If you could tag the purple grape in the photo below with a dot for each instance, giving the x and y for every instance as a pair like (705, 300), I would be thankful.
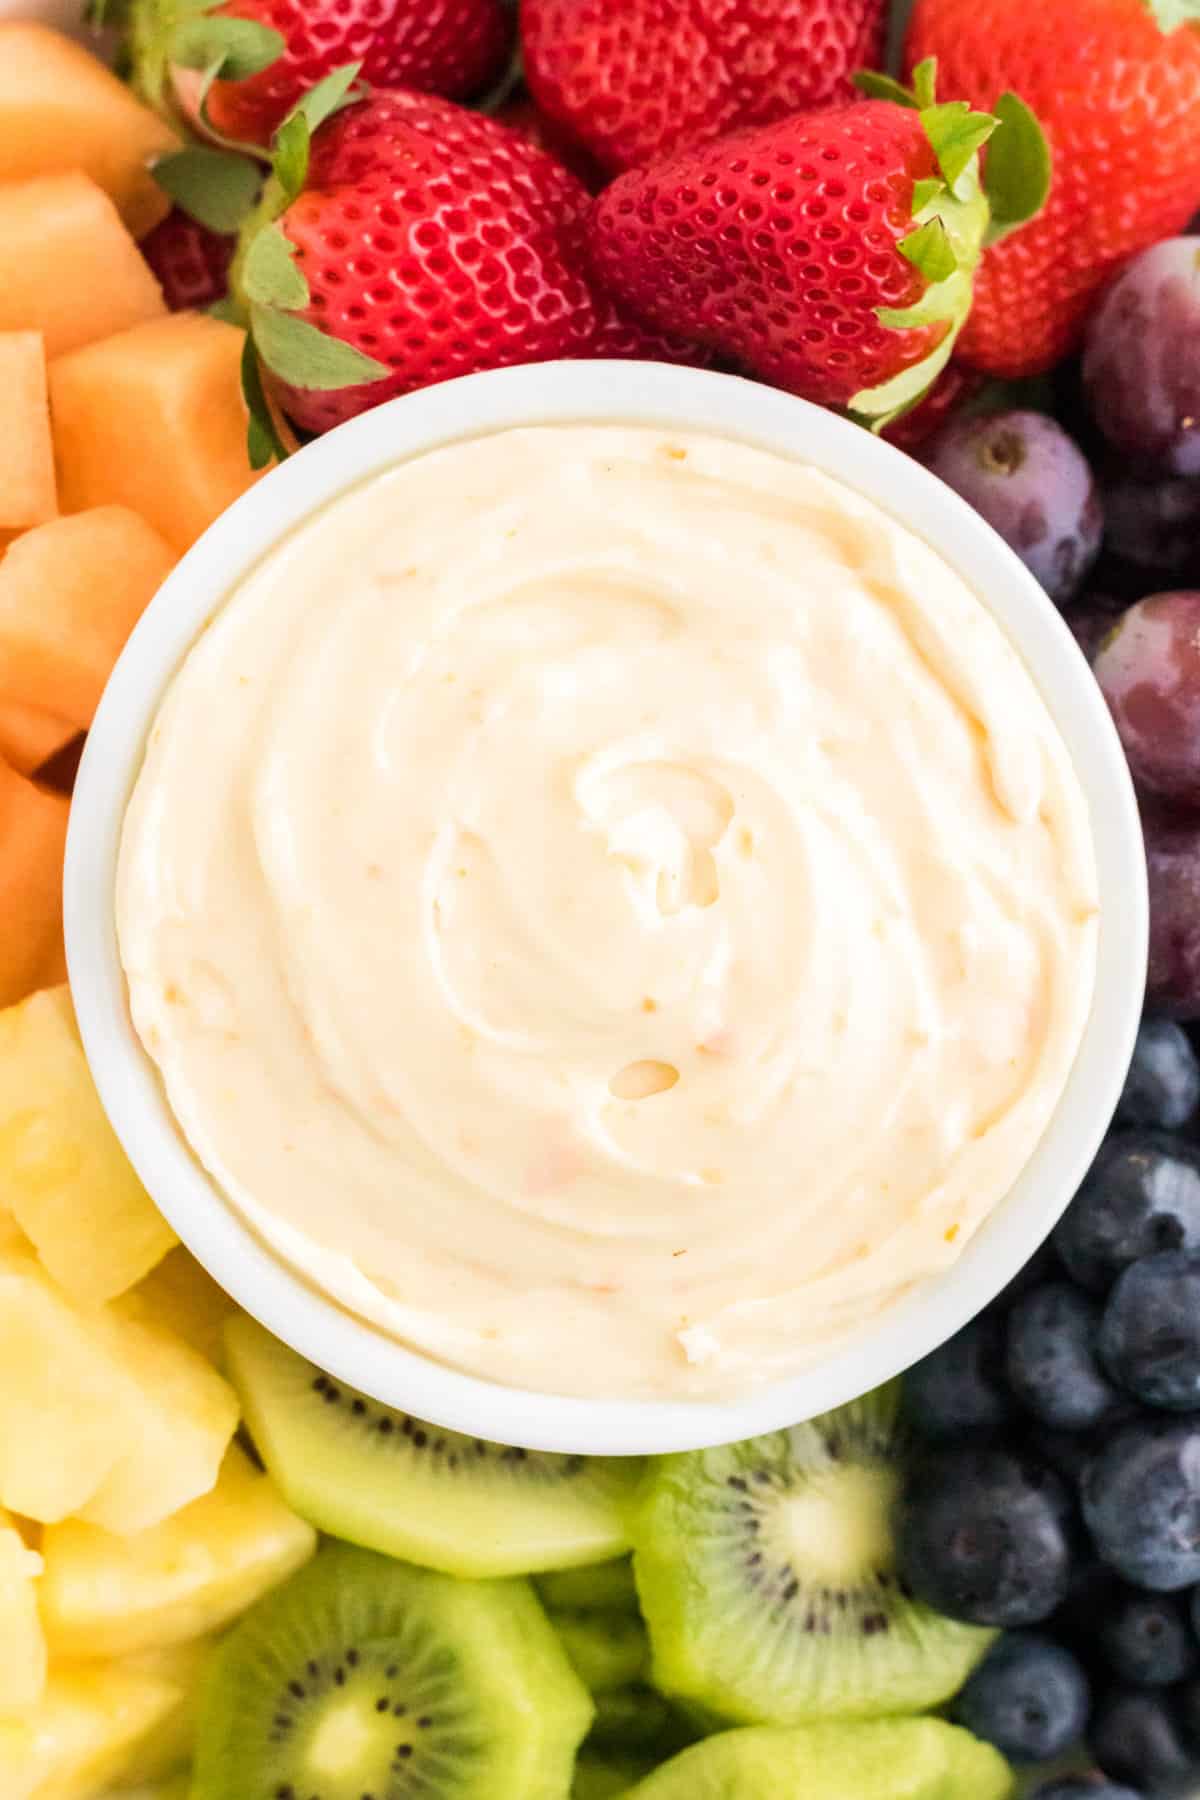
(1173, 870)
(1141, 361)
(1033, 485)
(1149, 673)
(1154, 526)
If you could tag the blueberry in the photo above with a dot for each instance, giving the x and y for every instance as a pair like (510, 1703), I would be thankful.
(1186, 1704)
(1141, 363)
(1141, 1503)
(1028, 1696)
(1042, 1266)
(1141, 1194)
(1092, 1590)
(1032, 484)
(1066, 1452)
(984, 1535)
(1150, 1335)
(1135, 1736)
(1146, 1638)
(1053, 1364)
(959, 1388)
(1092, 1786)
(1163, 1084)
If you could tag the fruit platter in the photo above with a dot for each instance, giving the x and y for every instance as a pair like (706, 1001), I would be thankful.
(599, 900)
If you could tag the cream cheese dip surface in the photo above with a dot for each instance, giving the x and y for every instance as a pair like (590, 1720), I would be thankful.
(610, 908)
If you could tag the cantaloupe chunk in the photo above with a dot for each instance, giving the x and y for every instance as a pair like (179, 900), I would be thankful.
(88, 1732)
(153, 418)
(180, 1295)
(63, 1174)
(33, 830)
(28, 494)
(29, 737)
(61, 109)
(22, 1640)
(70, 594)
(68, 267)
(103, 1595)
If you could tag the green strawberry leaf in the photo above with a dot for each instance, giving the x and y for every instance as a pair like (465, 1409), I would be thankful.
(929, 249)
(327, 97)
(925, 82)
(213, 186)
(292, 145)
(877, 86)
(226, 309)
(1171, 14)
(269, 274)
(956, 133)
(924, 192)
(263, 442)
(238, 47)
(1018, 173)
(307, 358)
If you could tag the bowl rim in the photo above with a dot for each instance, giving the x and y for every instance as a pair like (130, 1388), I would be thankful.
(675, 399)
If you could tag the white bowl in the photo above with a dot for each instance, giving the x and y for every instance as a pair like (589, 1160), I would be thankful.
(675, 399)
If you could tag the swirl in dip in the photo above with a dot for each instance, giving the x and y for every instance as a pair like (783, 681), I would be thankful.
(611, 909)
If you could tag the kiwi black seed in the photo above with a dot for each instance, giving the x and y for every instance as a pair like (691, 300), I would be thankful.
(363, 1676)
(767, 1576)
(390, 1482)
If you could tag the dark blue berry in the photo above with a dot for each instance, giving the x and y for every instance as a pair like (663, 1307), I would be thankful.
(1141, 1194)
(1162, 1087)
(1135, 1735)
(1028, 1696)
(1092, 1786)
(1141, 1503)
(984, 1535)
(1146, 1638)
(1042, 1266)
(959, 1388)
(1053, 1363)
(1150, 1336)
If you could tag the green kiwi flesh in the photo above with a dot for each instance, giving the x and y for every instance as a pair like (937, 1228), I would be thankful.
(766, 1571)
(389, 1482)
(634, 1718)
(601, 1587)
(365, 1676)
(604, 1778)
(606, 1650)
(881, 1759)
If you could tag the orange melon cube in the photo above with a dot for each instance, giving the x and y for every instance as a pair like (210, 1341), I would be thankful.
(154, 419)
(27, 489)
(29, 737)
(70, 594)
(33, 830)
(61, 109)
(68, 267)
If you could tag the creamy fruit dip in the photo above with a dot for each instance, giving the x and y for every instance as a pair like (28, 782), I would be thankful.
(610, 908)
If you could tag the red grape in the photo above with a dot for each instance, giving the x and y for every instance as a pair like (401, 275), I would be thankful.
(1173, 869)
(1149, 672)
(1141, 364)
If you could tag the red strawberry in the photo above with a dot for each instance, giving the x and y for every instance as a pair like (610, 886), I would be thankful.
(635, 80)
(424, 241)
(525, 115)
(830, 253)
(279, 49)
(191, 262)
(1120, 101)
(953, 388)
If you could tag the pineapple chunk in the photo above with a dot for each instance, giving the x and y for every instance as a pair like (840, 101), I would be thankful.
(61, 109)
(89, 1731)
(27, 489)
(33, 830)
(68, 267)
(182, 1296)
(22, 1641)
(154, 419)
(63, 1174)
(184, 1415)
(171, 1742)
(108, 1596)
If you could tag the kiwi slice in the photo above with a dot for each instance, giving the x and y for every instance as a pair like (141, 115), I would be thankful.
(389, 1482)
(605, 1649)
(879, 1759)
(766, 1571)
(634, 1718)
(364, 1676)
(604, 1777)
(601, 1587)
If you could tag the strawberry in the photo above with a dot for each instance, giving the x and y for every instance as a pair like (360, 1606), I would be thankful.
(954, 387)
(190, 261)
(830, 253)
(527, 116)
(276, 50)
(1119, 97)
(405, 240)
(636, 80)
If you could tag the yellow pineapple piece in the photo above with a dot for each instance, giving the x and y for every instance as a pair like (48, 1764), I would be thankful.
(63, 1174)
(68, 267)
(28, 495)
(184, 1297)
(110, 1596)
(154, 419)
(22, 1641)
(71, 591)
(30, 737)
(171, 1742)
(61, 109)
(88, 1732)
(184, 1415)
